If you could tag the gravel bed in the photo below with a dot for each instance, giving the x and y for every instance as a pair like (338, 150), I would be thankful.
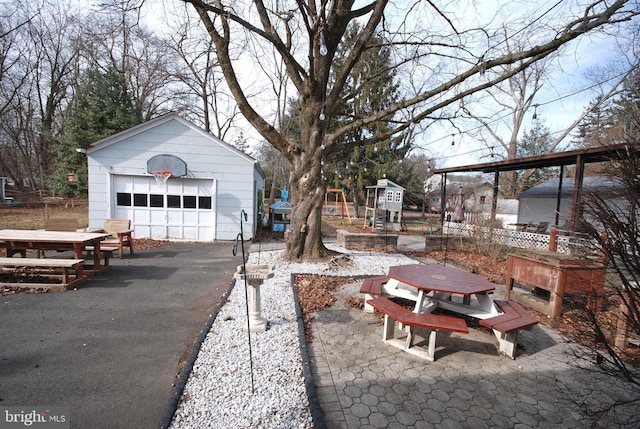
(218, 392)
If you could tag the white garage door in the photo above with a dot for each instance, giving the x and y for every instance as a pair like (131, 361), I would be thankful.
(183, 209)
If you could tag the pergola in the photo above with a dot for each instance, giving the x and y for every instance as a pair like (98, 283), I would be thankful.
(578, 157)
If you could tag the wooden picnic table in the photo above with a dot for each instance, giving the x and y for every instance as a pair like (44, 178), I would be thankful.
(432, 286)
(18, 241)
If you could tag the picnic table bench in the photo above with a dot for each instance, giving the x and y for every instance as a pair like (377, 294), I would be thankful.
(70, 272)
(507, 325)
(433, 323)
(372, 288)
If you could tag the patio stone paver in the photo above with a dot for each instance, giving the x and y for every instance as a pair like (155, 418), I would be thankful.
(465, 387)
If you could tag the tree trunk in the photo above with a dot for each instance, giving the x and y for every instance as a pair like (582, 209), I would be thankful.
(307, 189)
(356, 202)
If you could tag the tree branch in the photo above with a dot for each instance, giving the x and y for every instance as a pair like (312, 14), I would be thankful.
(527, 57)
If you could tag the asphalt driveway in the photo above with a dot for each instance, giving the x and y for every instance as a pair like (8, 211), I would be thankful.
(112, 349)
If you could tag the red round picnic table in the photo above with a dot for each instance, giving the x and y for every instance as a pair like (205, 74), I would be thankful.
(440, 278)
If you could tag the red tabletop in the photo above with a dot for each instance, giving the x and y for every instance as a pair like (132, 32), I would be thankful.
(440, 279)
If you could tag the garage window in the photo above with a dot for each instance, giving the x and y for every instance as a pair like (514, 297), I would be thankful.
(173, 201)
(204, 202)
(140, 200)
(123, 199)
(189, 202)
(156, 200)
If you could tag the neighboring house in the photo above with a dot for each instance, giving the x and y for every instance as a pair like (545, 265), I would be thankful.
(211, 182)
(539, 203)
(478, 192)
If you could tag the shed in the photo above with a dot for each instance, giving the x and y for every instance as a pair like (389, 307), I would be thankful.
(209, 182)
(540, 203)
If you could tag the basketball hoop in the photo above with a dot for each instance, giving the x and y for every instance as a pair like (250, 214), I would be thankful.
(161, 177)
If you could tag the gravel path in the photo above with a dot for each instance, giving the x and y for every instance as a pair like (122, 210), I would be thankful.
(218, 393)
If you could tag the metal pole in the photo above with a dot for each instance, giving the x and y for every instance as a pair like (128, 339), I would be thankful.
(246, 292)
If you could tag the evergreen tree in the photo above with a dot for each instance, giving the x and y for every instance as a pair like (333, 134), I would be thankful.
(534, 142)
(613, 123)
(593, 130)
(370, 88)
(102, 106)
(241, 143)
(626, 109)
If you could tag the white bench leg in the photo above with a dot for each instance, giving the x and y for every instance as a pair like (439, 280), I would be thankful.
(388, 332)
(368, 308)
(388, 335)
(431, 351)
(507, 342)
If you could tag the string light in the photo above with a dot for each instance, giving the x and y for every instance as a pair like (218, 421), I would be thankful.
(509, 112)
(323, 41)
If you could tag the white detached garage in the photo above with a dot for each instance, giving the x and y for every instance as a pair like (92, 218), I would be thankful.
(209, 182)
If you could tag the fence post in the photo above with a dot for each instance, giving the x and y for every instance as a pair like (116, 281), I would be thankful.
(553, 239)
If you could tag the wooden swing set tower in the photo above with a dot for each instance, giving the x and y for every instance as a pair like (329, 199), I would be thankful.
(339, 194)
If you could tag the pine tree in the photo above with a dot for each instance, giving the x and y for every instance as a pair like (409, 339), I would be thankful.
(625, 110)
(371, 88)
(102, 106)
(241, 143)
(534, 142)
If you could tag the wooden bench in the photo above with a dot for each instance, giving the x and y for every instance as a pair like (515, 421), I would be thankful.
(62, 224)
(507, 325)
(372, 288)
(432, 322)
(46, 267)
(121, 235)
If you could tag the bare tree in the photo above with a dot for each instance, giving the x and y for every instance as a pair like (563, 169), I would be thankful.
(198, 72)
(426, 40)
(500, 131)
(510, 106)
(615, 228)
(56, 57)
(43, 65)
(118, 40)
(14, 73)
